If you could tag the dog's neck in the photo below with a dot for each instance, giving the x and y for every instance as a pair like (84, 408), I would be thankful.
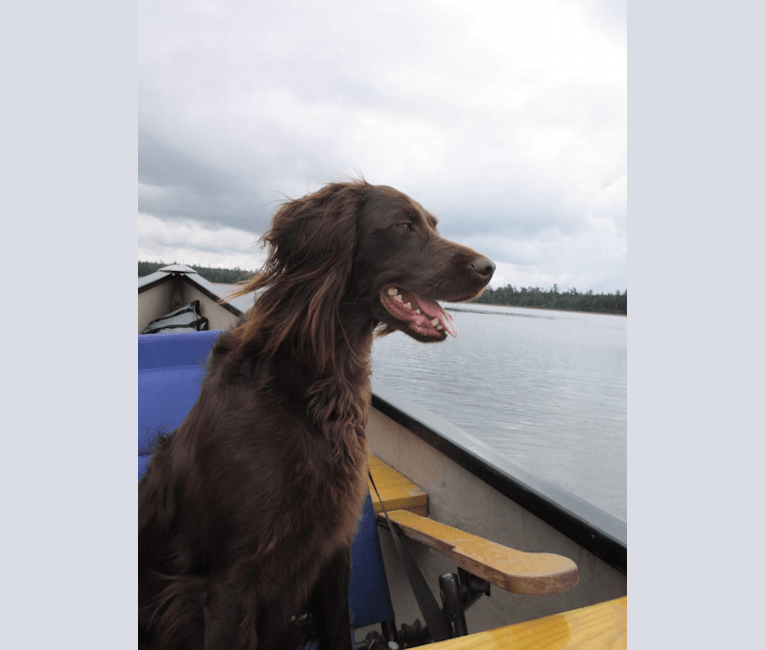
(334, 404)
(305, 390)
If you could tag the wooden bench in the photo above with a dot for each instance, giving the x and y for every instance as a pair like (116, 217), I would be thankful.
(507, 568)
(603, 626)
(396, 490)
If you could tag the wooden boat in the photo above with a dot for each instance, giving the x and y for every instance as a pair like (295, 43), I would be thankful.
(556, 565)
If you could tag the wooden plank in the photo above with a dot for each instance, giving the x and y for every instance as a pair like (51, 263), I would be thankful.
(509, 569)
(396, 490)
(603, 626)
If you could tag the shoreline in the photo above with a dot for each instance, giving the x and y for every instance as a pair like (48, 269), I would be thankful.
(563, 311)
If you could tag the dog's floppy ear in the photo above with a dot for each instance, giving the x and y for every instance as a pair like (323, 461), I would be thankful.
(316, 235)
(311, 250)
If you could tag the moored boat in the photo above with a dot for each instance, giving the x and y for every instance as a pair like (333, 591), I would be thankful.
(454, 495)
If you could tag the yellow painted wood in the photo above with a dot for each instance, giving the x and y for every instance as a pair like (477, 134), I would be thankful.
(396, 490)
(603, 626)
(509, 569)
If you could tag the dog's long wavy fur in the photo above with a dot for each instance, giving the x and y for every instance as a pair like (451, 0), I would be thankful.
(247, 511)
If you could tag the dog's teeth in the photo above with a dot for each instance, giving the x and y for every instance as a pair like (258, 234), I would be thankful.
(434, 321)
(392, 291)
(417, 311)
(398, 298)
(408, 305)
(439, 327)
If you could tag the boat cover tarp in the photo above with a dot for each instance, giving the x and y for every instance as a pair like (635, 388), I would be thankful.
(170, 373)
(185, 319)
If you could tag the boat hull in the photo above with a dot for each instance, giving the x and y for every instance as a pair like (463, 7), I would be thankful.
(459, 498)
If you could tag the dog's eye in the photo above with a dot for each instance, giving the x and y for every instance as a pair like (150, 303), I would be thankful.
(405, 226)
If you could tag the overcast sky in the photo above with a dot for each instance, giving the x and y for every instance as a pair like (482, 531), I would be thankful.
(507, 120)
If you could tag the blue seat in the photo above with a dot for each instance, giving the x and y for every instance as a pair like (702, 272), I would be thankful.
(171, 368)
(170, 372)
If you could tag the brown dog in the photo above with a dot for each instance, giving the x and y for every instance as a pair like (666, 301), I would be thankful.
(248, 510)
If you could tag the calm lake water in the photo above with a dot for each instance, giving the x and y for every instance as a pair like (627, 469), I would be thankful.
(547, 389)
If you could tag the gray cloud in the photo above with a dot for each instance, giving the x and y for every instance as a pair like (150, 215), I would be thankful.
(508, 134)
(173, 183)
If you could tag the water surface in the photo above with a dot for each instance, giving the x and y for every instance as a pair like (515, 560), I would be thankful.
(547, 389)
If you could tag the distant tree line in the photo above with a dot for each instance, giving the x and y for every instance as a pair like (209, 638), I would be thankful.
(224, 276)
(570, 300)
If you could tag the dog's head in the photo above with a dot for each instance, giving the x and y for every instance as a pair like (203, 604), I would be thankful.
(403, 267)
(353, 253)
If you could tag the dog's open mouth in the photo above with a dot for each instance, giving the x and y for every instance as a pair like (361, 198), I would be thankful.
(424, 317)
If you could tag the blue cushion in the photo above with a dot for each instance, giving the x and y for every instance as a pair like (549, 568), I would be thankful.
(169, 350)
(171, 368)
(143, 461)
(368, 595)
(166, 396)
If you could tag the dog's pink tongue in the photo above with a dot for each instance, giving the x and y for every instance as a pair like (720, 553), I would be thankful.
(433, 310)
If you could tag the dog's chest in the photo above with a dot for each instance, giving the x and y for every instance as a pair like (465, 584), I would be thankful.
(339, 490)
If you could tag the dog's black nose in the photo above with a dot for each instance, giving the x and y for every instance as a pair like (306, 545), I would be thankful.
(484, 266)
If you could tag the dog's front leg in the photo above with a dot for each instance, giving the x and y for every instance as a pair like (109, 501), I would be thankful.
(329, 603)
